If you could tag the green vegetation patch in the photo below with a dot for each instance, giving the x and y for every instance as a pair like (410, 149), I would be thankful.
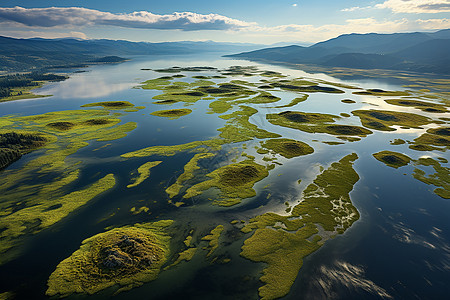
(174, 149)
(433, 137)
(348, 101)
(14, 144)
(303, 86)
(165, 102)
(441, 177)
(397, 142)
(186, 255)
(127, 256)
(234, 181)
(220, 106)
(213, 239)
(262, 98)
(188, 174)
(379, 92)
(288, 148)
(239, 129)
(40, 193)
(422, 105)
(172, 113)
(144, 173)
(384, 119)
(20, 86)
(392, 159)
(111, 104)
(185, 69)
(294, 102)
(282, 242)
(315, 123)
(49, 207)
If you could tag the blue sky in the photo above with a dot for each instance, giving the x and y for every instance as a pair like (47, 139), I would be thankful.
(253, 21)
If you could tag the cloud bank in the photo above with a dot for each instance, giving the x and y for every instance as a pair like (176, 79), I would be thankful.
(416, 6)
(79, 16)
(409, 6)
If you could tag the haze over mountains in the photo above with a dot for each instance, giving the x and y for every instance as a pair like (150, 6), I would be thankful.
(418, 52)
(29, 54)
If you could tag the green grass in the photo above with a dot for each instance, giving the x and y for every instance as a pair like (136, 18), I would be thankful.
(188, 173)
(440, 179)
(213, 239)
(49, 207)
(134, 263)
(325, 202)
(392, 159)
(315, 123)
(379, 92)
(287, 148)
(234, 181)
(40, 193)
(111, 104)
(439, 137)
(172, 114)
(384, 120)
(422, 105)
(294, 102)
(144, 173)
(25, 92)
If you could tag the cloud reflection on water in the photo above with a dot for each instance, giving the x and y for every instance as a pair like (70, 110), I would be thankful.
(343, 274)
(84, 87)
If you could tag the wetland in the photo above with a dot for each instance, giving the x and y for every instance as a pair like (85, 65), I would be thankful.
(204, 177)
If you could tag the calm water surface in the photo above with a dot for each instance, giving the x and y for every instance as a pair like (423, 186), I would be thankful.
(399, 248)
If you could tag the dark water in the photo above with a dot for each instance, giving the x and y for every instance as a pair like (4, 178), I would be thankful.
(399, 248)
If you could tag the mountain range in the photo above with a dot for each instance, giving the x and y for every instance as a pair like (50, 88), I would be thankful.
(30, 54)
(417, 51)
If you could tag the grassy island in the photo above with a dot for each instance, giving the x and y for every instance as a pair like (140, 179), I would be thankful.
(282, 242)
(440, 179)
(439, 137)
(41, 192)
(144, 173)
(379, 92)
(315, 123)
(127, 257)
(172, 113)
(111, 104)
(422, 105)
(392, 159)
(288, 148)
(385, 119)
(213, 239)
(234, 181)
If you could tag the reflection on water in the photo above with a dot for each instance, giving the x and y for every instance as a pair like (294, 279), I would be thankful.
(84, 87)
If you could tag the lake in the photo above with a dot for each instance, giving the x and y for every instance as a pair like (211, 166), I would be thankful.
(399, 247)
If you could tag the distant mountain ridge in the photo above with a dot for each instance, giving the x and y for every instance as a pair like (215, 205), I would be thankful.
(38, 53)
(417, 51)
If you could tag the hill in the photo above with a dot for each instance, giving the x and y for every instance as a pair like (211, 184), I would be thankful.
(31, 54)
(417, 51)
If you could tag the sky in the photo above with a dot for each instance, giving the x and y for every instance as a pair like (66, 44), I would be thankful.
(243, 21)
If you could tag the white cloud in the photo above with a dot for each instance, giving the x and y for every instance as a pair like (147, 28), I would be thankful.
(43, 34)
(416, 6)
(295, 5)
(310, 33)
(432, 24)
(78, 16)
(354, 8)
